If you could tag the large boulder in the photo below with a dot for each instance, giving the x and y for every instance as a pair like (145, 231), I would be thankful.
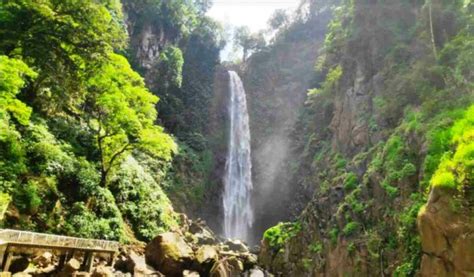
(135, 264)
(202, 233)
(227, 267)
(206, 254)
(237, 246)
(70, 268)
(102, 271)
(250, 260)
(44, 260)
(169, 253)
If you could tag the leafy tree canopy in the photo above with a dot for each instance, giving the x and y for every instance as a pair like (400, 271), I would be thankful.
(121, 113)
(62, 40)
(12, 73)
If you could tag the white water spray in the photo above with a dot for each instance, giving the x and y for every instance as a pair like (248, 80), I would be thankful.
(238, 213)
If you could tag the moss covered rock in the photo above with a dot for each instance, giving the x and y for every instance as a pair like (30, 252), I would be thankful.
(169, 253)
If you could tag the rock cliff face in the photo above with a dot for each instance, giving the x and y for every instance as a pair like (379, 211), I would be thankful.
(364, 144)
(447, 236)
(276, 81)
(148, 38)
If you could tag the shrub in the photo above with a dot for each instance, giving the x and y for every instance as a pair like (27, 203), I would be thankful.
(333, 234)
(26, 198)
(340, 162)
(456, 170)
(391, 190)
(83, 222)
(278, 235)
(408, 170)
(142, 201)
(350, 182)
(350, 228)
(12, 152)
(316, 247)
(443, 179)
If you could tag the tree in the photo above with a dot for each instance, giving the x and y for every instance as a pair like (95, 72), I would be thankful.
(171, 66)
(278, 19)
(12, 78)
(244, 39)
(62, 40)
(121, 114)
(13, 74)
(203, 6)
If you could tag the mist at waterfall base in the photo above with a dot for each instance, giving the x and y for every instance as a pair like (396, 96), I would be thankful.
(238, 212)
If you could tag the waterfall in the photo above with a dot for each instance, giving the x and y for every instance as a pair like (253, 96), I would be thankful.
(238, 213)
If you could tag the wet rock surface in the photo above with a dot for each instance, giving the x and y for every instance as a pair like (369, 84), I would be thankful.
(196, 251)
(191, 251)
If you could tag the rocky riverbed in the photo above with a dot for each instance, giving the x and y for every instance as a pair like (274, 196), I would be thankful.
(192, 250)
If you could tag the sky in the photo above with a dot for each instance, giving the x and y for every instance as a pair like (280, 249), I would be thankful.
(251, 13)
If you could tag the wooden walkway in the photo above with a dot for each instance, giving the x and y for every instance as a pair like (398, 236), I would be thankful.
(24, 242)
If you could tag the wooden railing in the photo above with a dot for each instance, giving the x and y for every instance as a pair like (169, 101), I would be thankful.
(31, 238)
(16, 241)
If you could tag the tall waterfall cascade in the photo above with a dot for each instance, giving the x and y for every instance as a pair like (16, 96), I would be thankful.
(238, 213)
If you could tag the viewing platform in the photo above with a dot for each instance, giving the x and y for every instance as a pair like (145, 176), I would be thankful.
(24, 242)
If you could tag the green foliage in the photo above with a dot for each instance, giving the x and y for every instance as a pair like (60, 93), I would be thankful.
(12, 152)
(330, 83)
(338, 32)
(438, 138)
(46, 155)
(142, 201)
(352, 200)
(85, 223)
(63, 58)
(334, 234)
(188, 179)
(27, 198)
(456, 169)
(247, 41)
(307, 263)
(391, 190)
(410, 115)
(279, 234)
(316, 247)
(12, 78)
(71, 110)
(122, 114)
(350, 181)
(13, 73)
(350, 228)
(171, 61)
(339, 161)
(407, 233)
